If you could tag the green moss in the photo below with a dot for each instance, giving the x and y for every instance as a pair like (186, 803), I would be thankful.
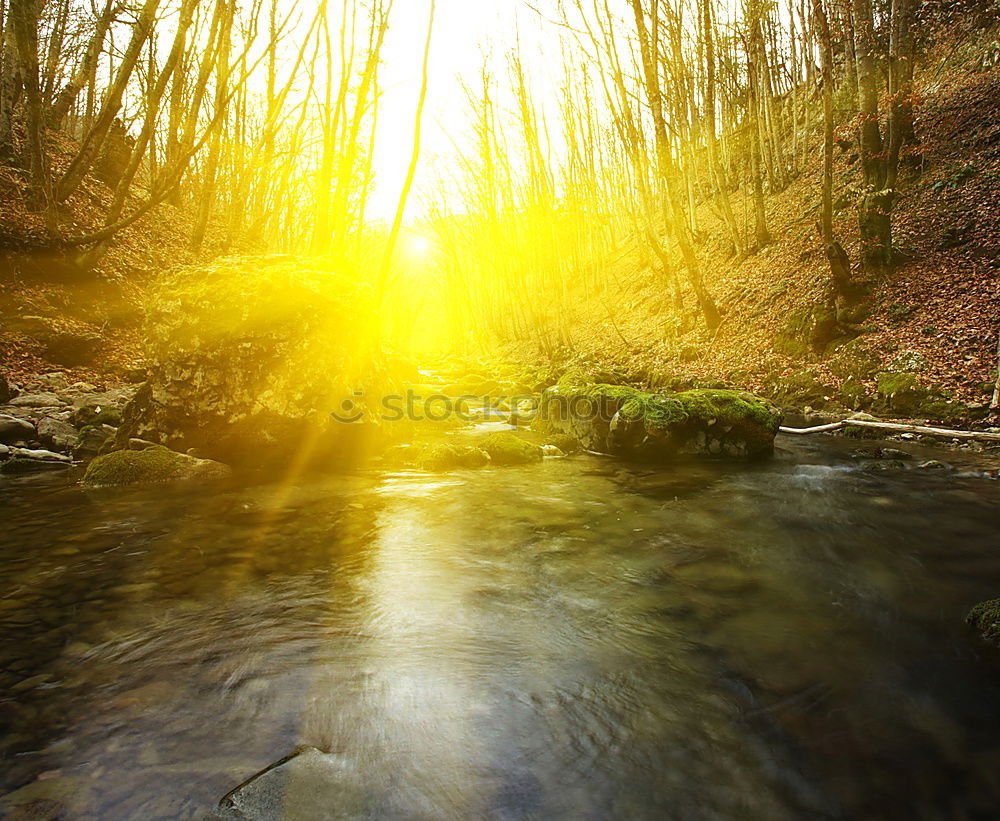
(902, 392)
(446, 457)
(897, 384)
(853, 394)
(985, 618)
(807, 331)
(507, 449)
(729, 408)
(854, 360)
(155, 464)
(800, 388)
(91, 415)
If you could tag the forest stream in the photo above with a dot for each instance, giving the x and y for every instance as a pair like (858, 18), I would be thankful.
(575, 638)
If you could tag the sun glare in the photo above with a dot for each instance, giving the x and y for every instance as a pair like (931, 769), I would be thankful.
(419, 248)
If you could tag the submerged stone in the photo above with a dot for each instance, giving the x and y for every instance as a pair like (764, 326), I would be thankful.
(20, 464)
(156, 464)
(309, 785)
(985, 618)
(48, 799)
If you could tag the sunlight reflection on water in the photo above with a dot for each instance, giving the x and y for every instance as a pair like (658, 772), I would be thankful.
(571, 639)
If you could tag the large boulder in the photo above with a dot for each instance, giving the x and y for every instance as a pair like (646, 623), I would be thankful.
(251, 358)
(153, 465)
(627, 421)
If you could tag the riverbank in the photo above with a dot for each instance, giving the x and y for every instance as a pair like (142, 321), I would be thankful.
(49, 423)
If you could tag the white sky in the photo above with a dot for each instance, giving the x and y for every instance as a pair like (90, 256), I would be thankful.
(464, 30)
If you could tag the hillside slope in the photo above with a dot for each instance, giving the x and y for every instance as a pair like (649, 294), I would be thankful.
(56, 316)
(938, 312)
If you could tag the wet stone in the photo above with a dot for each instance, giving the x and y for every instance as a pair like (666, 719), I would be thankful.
(14, 429)
(37, 400)
(57, 434)
(890, 466)
(308, 786)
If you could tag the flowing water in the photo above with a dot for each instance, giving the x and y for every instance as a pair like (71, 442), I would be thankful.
(575, 639)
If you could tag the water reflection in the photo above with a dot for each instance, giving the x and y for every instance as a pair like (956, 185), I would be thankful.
(574, 639)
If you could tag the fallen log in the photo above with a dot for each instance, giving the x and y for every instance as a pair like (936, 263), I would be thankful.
(895, 427)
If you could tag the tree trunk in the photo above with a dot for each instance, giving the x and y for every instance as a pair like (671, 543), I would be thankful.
(94, 141)
(995, 401)
(676, 221)
(397, 221)
(901, 130)
(221, 96)
(10, 87)
(23, 22)
(875, 204)
(717, 172)
(66, 98)
(155, 95)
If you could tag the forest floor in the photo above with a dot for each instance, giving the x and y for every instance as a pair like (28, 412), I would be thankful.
(941, 303)
(108, 301)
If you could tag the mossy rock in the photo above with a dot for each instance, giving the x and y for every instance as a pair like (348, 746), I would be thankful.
(254, 360)
(985, 618)
(567, 444)
(801, 388)
(579, 377)
(717, 423)
(853, 394)
(898, 383)
(505, 448)
(902, 392)
(807, 332)
(854, 361)
(447, 457)
(625, 420)
(93, 440)
(153, 465)
(96, 415)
